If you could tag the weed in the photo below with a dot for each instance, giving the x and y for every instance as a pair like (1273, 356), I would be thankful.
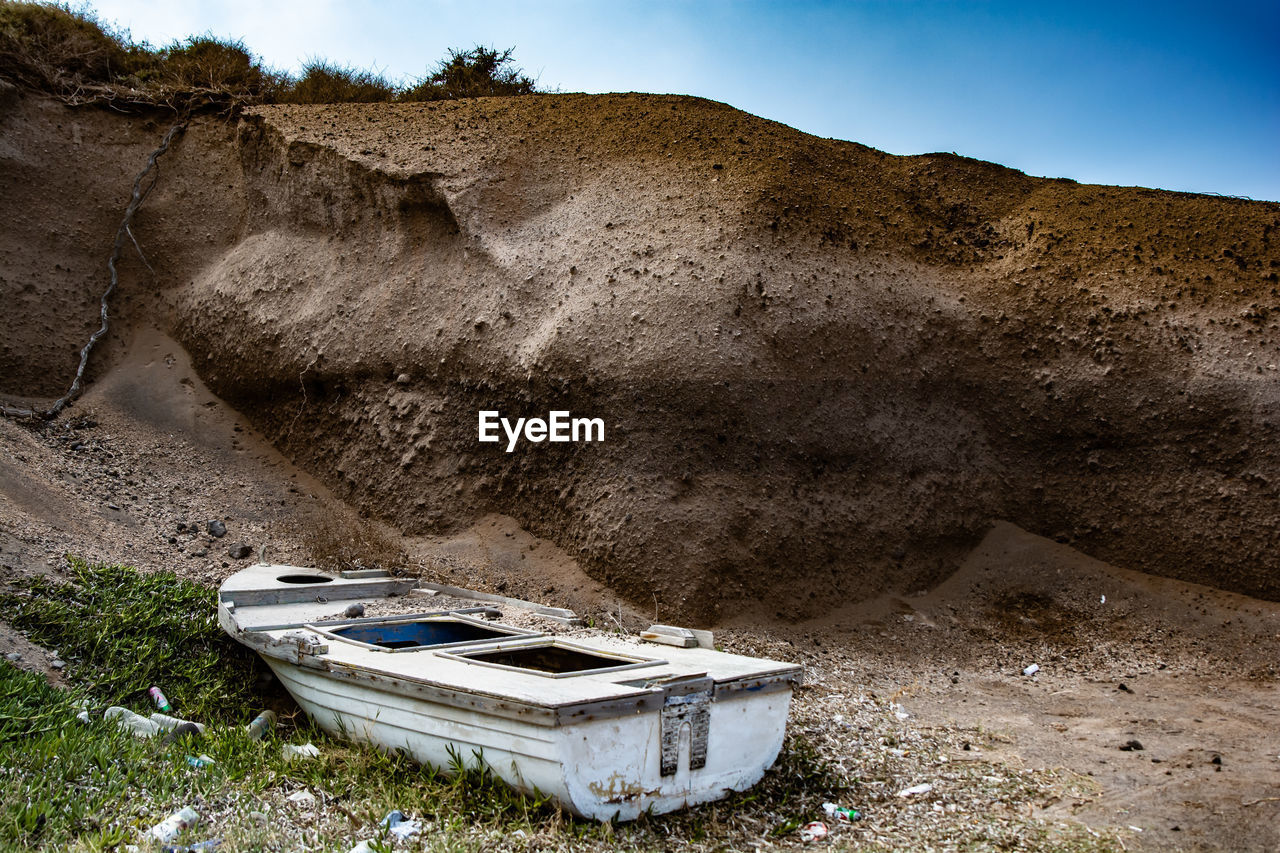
(326, 83)
(346, 541)
(475, 73)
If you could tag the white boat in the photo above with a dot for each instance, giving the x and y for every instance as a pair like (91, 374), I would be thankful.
(610, 726)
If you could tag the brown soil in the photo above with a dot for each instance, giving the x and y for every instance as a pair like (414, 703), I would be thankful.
(826, 374)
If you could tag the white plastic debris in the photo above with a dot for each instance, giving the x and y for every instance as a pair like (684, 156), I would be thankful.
(1104, 598)
(915, 789)
(168, 829)
(303, 798)
(362, 847)
(131, 722)
(814, 831)
(1031, 670)
(400, 827)
(308, 750)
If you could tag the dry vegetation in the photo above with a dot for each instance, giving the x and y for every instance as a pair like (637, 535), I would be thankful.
(72, 53)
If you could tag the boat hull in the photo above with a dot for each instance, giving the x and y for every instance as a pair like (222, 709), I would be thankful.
(603, 768)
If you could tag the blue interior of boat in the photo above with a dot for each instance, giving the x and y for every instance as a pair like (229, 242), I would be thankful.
(412, 635)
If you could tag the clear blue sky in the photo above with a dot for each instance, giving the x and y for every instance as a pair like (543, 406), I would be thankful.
(1175, 95)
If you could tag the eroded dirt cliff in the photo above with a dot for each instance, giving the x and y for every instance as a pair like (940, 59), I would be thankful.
(824, 370)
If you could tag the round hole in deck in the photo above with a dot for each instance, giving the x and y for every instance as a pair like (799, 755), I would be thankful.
(303, 579)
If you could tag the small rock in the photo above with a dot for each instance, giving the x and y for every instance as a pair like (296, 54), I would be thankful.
(199, 552)
(353, 610)
(403, 379)
(1126, 688)
(239, 551)
(217, 529)
(113, 506)
(258, 817)
(1217, 759)
(13, 656)
(58, 663)
(1132, 746)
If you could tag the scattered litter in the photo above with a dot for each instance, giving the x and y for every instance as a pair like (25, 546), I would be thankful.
(840, 813)
(182, 730)
(83, 716)
(899, 711)
(131, 722)
(915, 789)
(400, 827)
(159, 698)
(1135, 828)
(168, 829)
(198, 761)
(815, 831)
(303, 799)
(1104, 599)
(307, 750)
(261, 724)
(168, 723)
(198, 847)
(1031, 670)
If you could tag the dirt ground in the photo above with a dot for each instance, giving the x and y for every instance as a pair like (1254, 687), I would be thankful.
(1187, 671)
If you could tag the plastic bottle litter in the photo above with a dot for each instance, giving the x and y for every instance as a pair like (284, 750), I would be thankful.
(131, 722)
(815, 831)
(840, 813)
(168, 723)
(915, 789)
(1031, 670)
(168, 829)
(199, 761)
(261, 724)
(159, 698)
(400, 827)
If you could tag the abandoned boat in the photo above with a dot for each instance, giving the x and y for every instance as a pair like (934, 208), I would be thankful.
(607, 725)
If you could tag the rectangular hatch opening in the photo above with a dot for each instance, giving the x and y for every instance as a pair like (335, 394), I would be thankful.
(552, 658)
(423, 633)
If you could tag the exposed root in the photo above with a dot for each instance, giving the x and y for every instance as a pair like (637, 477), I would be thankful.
(125, 231)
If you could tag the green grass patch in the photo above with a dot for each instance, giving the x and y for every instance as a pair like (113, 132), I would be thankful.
(122, 631)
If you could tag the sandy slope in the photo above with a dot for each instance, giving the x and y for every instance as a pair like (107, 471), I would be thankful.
(820, 366)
